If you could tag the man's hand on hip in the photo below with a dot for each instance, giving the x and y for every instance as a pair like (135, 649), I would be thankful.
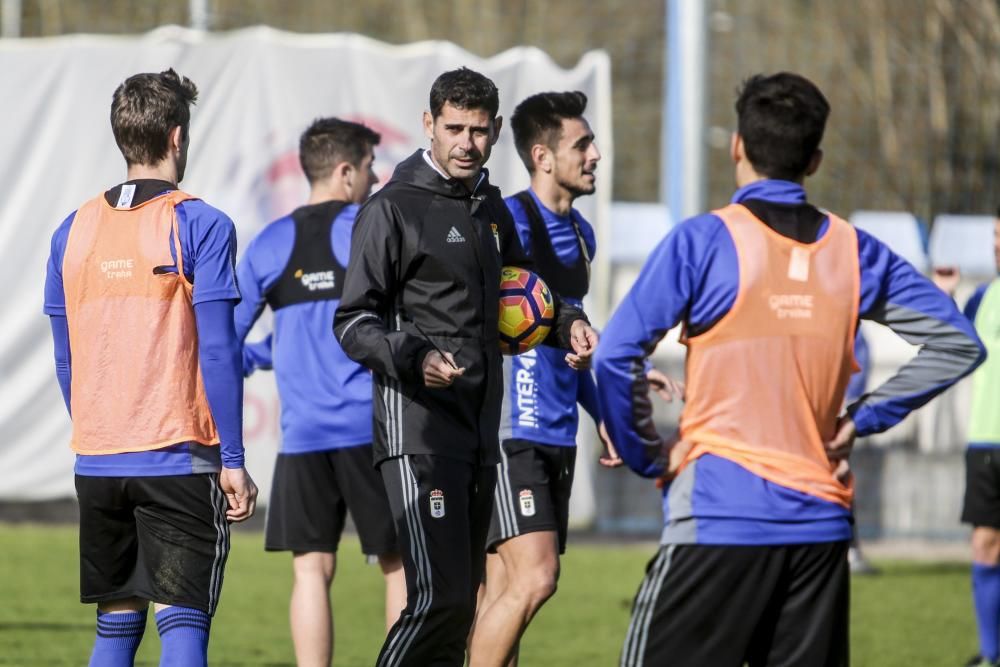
(839, 448)
(675, 450)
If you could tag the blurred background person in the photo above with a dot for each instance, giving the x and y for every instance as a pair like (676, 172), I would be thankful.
(981, 504)
(296, 266)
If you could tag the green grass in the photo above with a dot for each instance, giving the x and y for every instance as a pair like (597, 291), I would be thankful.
(911, 615)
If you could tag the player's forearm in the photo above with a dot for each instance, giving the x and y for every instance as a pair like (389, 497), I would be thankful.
(221, 363)
(628, 415)
(624, 398)
(366, 340)
(566, 315)
(586, 395)
(947, 354)
(366, 324)
(895, 294)
(60, 340)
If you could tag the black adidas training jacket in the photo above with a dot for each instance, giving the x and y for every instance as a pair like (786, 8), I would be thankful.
(425, 261)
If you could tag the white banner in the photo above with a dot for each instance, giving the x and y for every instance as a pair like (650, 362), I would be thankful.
(258, 90)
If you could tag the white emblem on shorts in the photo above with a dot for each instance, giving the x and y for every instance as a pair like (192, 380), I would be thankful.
(437, 503)
(455, 236)
(527, 502)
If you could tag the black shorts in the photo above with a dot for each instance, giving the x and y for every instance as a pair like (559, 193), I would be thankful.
(981, 506)
(727, 606)
(311, 495)
(534, 481)
(163, 539)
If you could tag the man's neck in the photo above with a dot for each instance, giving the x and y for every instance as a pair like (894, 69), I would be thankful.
(746, 174)
(553, 196)
(319, 194)
(163, 171)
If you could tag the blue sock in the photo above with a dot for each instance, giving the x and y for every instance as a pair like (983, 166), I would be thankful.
(118, 637)
(986, 596)
(183, 636)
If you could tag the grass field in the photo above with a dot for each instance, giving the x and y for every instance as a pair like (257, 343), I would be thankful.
(912, 615)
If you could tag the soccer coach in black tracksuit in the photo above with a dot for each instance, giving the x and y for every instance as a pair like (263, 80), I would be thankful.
(419, 308)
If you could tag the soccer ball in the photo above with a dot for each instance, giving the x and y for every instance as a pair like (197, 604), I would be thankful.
(527, 311)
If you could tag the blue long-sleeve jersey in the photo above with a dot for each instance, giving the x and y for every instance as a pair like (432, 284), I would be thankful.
(541, 391)
(208, 239)
(692, 277)
(326, 398)
(859, 380)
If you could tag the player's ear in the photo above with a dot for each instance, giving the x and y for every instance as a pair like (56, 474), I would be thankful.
(540, 158)
(344, 171)
(497, 124)
(175, 140)
(428, 125)
(736, 147)
(814, 162)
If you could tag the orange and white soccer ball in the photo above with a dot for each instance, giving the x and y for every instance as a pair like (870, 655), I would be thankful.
(527, 311)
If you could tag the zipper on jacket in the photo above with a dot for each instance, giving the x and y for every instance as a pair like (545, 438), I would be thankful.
(476, 201)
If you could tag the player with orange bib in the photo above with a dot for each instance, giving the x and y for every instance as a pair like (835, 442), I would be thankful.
(753, 560)
(140, 291)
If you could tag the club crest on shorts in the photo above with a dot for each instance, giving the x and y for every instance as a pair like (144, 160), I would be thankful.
(437, 503)
(527, 498)
(496, 235)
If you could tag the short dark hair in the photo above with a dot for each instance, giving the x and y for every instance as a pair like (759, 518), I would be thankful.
(465, 89)
(145, 109)
(330, 141)
(781, 120)
(538, 120)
